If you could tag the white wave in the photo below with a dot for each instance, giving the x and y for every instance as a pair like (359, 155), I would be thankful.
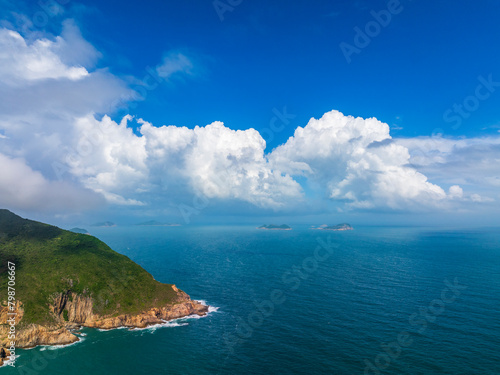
(12, 359)
(152, 328)
(165, 324)
(55, 347)
(111, 329)
(211, 309)
(179, 322)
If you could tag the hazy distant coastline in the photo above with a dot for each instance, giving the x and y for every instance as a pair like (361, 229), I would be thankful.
(154, 223)
(275, 227)
(338, 227)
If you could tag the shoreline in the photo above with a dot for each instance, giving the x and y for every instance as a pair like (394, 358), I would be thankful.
(79, 337)
(63, 332)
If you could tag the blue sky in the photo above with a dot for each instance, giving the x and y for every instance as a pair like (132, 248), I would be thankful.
(429, 70)
(274, 54)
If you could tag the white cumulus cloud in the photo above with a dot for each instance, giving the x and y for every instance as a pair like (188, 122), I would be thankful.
(472, 163)
(56, 154)
(22, 62)
(213, 161)
(357, 162)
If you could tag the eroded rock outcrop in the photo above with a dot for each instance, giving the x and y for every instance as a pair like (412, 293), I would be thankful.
(79, 308)
(35, 334)
(68, 280)
(150, 317)
(4, 355)
(72, 311)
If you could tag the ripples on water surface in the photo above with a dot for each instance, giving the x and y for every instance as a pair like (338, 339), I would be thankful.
(336, 314)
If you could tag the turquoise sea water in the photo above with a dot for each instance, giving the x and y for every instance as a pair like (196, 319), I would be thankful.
(372, 300)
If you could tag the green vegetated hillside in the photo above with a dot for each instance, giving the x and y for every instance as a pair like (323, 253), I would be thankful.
(50, 260)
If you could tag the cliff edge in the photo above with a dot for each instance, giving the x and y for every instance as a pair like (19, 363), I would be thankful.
(62, 281)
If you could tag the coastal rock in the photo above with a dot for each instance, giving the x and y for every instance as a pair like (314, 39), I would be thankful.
(150, 317)
(4, 310)
(32, 334)
(95, 286)
(35, 335)
(4, 324)
(79, 310)
(4, 355)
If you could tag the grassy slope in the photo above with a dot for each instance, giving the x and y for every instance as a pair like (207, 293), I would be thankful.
(47, 258)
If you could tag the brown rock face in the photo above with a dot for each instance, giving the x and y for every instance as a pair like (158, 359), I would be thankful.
(59, 303)
(35, 335)
(4, 310)
(4, 324)
(79, 310)
(152, 316)
(4, 355)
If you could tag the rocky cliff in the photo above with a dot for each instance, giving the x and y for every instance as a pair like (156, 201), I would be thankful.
(4, 355)
(65, 280)
(72, 311)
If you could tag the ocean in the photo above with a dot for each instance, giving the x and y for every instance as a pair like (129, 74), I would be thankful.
(375, 300)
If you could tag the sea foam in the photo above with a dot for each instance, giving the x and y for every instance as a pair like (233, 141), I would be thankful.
(55, 347)
(179, 322)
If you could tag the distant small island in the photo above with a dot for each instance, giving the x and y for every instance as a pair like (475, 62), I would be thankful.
(275, 227)
(154, 223)
(104, 224)
(79, 230)
(343, 226)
